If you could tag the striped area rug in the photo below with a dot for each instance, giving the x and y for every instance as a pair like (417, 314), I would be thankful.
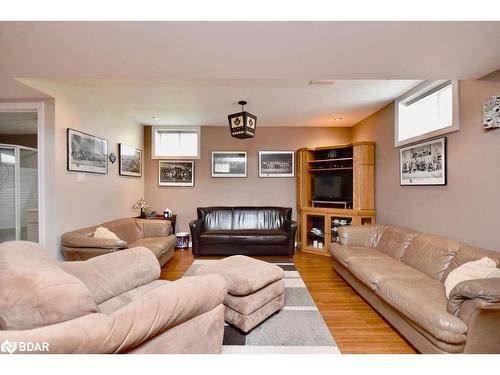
(297, 329)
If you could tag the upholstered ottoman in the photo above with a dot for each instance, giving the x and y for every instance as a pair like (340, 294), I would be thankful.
(255, 289)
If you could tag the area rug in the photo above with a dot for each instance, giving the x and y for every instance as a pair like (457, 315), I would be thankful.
(297, 329)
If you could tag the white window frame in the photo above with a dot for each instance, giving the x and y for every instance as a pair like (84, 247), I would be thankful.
(154, 130)
(427, 87)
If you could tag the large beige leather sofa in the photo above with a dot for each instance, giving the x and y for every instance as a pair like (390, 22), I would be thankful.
(156, 235)
(401, 273)
(113, 303)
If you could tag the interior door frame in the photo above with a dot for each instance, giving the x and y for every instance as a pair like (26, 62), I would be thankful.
(39, 108)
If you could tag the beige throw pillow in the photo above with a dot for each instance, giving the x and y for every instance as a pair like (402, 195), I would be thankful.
(483, 268)
(102, 232)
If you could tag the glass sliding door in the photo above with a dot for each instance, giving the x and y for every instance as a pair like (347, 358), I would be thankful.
(18, 193)
(19, 172)
(7, 194)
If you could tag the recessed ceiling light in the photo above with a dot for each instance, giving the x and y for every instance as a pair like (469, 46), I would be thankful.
(156, 118)
(321, 81)
(338, 119)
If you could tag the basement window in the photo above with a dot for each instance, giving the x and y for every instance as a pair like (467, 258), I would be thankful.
(428, 110)
(169, 142)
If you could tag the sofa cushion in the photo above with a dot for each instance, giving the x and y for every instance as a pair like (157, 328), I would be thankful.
(424, 303)
(109, 275)
(121, 300)
(35, 292)
(344, 254)
(272, 218)
(126, 229)
(372, 271)
(394, 241)
(244, 275)
(360, 235)
(158, 245)
(431, 254)
(247, 236)
(154, 228)
(245, 219)
(469, 254)
(216, 218)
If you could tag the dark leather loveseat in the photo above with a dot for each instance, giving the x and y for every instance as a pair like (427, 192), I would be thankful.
(244, 231)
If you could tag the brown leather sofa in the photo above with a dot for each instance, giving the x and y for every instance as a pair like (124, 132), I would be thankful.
(156, 235)
(244, 231)
(108, 304)
(401, 273)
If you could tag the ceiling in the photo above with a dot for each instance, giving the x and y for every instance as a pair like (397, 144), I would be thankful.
(195, 72)
(18, 123)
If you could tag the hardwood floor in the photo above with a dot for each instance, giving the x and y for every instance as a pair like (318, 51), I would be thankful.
(356, 327)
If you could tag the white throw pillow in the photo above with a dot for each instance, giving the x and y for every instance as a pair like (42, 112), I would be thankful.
(484, 268)
(102, 232)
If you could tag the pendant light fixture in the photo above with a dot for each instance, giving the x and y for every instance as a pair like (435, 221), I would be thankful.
(242, 124)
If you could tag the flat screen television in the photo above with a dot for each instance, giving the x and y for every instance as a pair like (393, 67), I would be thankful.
(333, 187)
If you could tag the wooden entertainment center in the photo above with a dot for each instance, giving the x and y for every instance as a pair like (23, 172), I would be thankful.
(335, 187)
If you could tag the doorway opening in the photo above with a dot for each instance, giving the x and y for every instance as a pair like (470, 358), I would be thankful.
(21, 165)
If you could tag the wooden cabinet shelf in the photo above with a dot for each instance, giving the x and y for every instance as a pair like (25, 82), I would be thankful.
(357, 162)
(329, 160)
(313, 235)
(330, 169)
(328, 220)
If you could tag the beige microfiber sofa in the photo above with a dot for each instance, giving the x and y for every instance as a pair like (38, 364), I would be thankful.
(401, 273)
(156, 235)
(113, 303)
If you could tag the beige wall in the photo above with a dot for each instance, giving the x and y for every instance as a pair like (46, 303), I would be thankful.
(252, 190)
(102, 197)
(467, 208)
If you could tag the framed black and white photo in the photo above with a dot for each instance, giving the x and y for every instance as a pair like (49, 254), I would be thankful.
(86, 152)
(423, 163)
(176, 173)
(130, 161)
(276, 164)
(229, 163)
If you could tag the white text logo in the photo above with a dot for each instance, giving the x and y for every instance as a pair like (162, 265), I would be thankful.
(24, 346)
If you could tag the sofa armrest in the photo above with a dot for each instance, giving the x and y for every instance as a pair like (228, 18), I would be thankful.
(77, 240)
(196, 228)
(109, 275)
(487, 291)
(168, 306)
(477, 303)
(360, 235)
(157, 311)
(291, 229)
(155, 228)
(290, 226)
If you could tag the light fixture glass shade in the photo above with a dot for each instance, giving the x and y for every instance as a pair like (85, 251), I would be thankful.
(142, 204)
(242, 124)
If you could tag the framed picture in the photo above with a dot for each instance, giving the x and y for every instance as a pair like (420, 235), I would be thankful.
(229, 163)
(423, 163)
(130, 161)
(176, 173)
(276, 164)
(86, 152)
